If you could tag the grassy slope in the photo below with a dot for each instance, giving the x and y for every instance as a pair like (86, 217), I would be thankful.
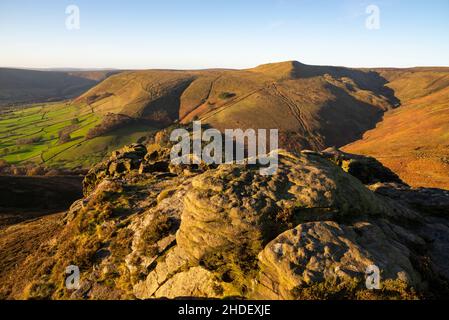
(45, 121)
(131, 93)
(413, 140)
(17, 243)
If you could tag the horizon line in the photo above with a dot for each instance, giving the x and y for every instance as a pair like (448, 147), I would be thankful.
(68, 69)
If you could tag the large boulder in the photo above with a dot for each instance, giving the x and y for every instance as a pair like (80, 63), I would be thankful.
(328, 252)
(266, 237)
(235, 206)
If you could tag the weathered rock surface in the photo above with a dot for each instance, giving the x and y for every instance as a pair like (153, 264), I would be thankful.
(311, 230)
(320, 252)
(121, 162)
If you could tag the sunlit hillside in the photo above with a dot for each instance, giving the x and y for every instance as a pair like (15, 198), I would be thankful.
(413, 140)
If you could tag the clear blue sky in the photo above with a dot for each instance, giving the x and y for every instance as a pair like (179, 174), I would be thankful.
(223, 33)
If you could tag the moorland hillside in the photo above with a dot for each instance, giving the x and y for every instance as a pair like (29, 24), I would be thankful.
(413, 140)
(312, 106)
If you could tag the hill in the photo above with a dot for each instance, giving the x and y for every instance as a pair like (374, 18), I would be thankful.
(313, 106)
(413, 140)
(28, 86)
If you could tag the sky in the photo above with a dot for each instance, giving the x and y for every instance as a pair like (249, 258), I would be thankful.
(196, 34)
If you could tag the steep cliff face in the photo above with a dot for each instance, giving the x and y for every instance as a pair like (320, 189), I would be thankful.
(150, 229)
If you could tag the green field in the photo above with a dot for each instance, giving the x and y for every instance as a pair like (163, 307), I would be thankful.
(31, 134)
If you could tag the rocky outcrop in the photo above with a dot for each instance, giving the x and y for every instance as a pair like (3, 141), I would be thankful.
(366, 169)
(311, 230)
(123, 161)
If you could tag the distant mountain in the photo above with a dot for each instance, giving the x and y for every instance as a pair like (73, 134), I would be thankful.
(28, 86)
(76, 69)
(313, 106)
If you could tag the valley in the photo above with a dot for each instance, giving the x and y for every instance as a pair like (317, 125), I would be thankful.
(399, 116)
(54, 135)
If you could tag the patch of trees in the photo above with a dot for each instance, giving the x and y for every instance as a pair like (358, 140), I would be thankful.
(28, 141)
(110, 123)
(97, 97)
(159, 118)
(31, 169)
(64, 135)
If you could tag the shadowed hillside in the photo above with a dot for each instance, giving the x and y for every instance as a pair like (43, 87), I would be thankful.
(25, 198)
(27, 86)
(413, 140)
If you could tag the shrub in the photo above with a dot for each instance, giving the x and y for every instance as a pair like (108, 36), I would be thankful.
(38, 290)
(234, 265)
(110, 123)
(28, 141)
(64, 137)
(97, 97)
(3, 164)
(160, 227)
(35, 171)
(226, 95)
(64, 134)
